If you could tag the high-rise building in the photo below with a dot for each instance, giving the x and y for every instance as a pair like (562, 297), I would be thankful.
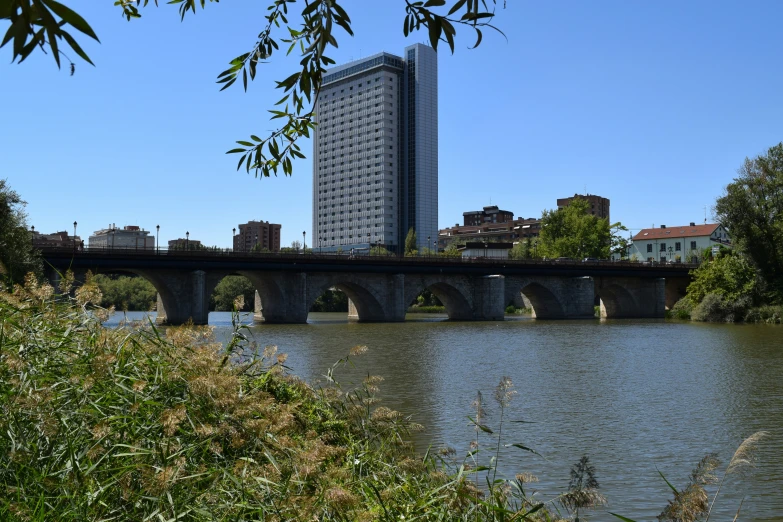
(598, 206)
(375, 152)
(262, 233)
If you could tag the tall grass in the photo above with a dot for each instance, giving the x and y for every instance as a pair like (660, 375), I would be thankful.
(132, 424)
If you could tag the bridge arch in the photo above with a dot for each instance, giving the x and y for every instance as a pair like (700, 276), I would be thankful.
(616, 301)
(369, 306)
(453, 291)
(543, 300)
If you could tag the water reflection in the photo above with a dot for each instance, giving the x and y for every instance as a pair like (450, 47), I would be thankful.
(634, 395)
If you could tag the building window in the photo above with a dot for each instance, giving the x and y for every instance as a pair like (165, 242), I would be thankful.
(649, 247)
(663, 247)
(693, 245)
(677, 246)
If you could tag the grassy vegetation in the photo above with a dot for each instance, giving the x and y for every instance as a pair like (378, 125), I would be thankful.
(425, 309)
(516, 310)
(129, 424)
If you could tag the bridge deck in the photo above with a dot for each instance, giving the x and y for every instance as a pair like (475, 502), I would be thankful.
(104, 260)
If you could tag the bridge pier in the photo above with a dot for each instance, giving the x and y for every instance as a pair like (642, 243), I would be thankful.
(182, 297)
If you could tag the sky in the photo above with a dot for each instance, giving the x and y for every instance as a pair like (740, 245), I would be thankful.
(653, 105)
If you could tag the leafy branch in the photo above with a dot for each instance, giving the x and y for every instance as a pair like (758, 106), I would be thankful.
(33, 25)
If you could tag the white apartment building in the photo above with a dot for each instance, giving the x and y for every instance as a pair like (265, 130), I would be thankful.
(673, 244)
(375, 152)
(127, 237)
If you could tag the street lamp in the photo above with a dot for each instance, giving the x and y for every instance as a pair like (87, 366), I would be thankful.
(157, 239)
(187, 240)
(369, 246)
(304, 243)
(319, 245)
(74, 236)
(233, 238)
(32, 235)
(112, 237)
(435, 246)
(428, 243)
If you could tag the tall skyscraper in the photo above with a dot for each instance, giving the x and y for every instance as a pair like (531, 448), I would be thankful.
(375, 152)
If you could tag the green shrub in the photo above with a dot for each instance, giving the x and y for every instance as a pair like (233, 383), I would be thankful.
(682, 309)
(771, 314)
(713, 308)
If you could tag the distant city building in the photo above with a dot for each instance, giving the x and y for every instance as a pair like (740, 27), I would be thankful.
(682, 243)
(375, 152)
(491, 214)
(598, 206)
(262, 233)
(509, 231)
(491, 250)
(185, 244)
(57, 240)
(127, 237)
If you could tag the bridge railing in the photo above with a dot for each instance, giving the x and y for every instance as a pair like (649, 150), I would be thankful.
(315, 256)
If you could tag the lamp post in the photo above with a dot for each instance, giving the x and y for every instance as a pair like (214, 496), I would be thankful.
(256, 243)
(233, 238)
(304, 243)
(187, 241)
(157, 239)
(319, 245)
(369, 246)
(428, 244)
(32, 235)
(74, 236)
(670, 254)
(112, 238)
(435, 246)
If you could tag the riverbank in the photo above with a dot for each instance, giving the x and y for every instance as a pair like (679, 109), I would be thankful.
(714, 309)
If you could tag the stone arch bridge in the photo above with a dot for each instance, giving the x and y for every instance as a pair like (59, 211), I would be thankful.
(380, 288)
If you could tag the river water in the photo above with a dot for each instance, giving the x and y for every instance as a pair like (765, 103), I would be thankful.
(637, 396)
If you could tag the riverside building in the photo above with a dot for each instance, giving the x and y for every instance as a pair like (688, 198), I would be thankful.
(375, 152)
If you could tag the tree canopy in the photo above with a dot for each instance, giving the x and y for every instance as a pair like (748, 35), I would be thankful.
(752, 210)
(573, 232)
(44, 24)
(17, 256)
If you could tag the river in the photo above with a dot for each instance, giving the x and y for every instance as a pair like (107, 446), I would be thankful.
(637, 396)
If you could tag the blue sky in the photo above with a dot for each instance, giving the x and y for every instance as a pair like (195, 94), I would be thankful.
(651, 104)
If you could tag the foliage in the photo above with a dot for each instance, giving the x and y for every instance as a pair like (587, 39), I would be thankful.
(258, 248)
(379, 251)
(770, 314)
(451, 251)
(714, 308)
(228, 289)
(525, 249)
(33, 25)
(126, 293)
(332, 300)
(691, 503)
(727, 275)
(418, 309)
(17, 256)
(618, 243)
(410, 243)
(573, 232)
(752, 210)
(131, 424)
(682, 309)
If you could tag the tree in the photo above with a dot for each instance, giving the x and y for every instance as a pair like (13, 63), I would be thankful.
(728, 275)
(34, 25)
(228, 289)
(573, 232)
(17, 255)
(618, 243)
(410, 243)
(752, 210)
(126, 292)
